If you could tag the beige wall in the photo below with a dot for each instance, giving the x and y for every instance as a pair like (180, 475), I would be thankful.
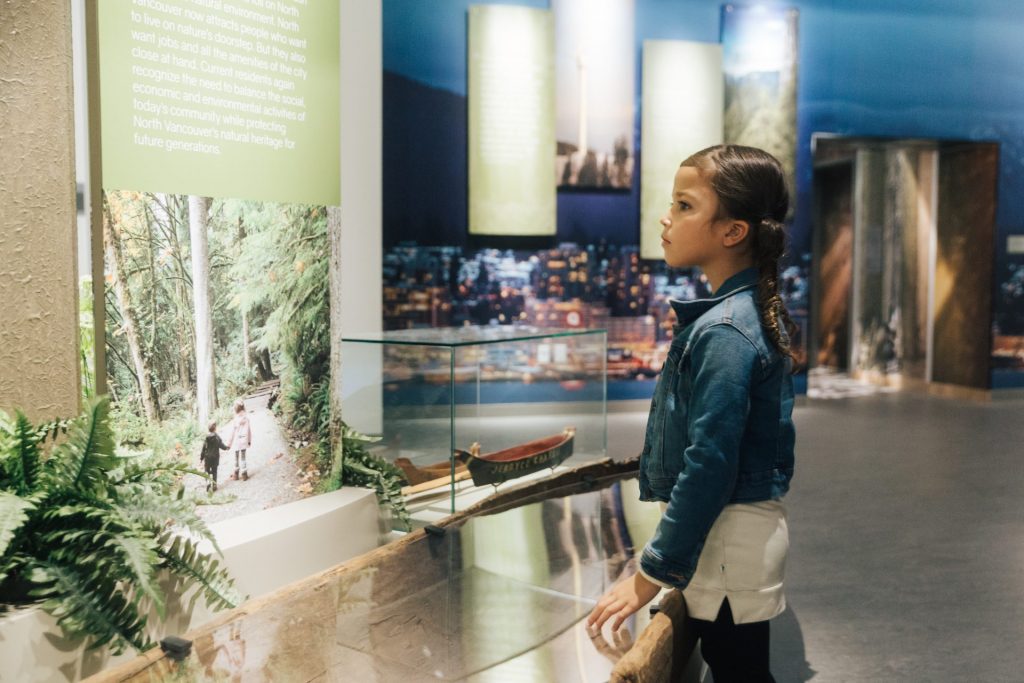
(38, 290)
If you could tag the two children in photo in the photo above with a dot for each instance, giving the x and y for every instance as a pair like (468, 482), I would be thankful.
(240, 439)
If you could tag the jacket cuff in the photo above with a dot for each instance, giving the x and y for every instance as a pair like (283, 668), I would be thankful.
(662, 572)
(653, 580)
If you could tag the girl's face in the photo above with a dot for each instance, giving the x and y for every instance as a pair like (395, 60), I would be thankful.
(690, 234)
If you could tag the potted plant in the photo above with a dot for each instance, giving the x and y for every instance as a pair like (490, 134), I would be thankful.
(85, 532)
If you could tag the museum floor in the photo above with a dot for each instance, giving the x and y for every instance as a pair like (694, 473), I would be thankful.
(906, 520)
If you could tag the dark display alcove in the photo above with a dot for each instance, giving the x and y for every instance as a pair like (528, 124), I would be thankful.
(903, 243)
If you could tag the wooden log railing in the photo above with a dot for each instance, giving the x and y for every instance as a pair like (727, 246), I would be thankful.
(664, 651)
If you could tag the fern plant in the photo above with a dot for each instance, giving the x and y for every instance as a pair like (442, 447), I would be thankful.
(360, 467)
(310, 413)
(84, 532)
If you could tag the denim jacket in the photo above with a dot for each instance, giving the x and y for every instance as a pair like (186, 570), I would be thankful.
(720, 430)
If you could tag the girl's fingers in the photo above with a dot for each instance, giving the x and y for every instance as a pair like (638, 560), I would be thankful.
(596, 611)
(607, 612)
(621, 616)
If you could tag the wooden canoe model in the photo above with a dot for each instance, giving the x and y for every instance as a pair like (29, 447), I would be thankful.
(429, 476)
(517, 461)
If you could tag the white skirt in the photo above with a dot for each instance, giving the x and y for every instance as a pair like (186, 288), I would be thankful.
(744, 560)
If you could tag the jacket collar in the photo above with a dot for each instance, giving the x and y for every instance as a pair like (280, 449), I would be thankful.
(688, 311)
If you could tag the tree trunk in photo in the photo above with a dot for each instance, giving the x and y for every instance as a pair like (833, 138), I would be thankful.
(184, 345)
(246, 352)
(206, 391)
(334, 278)
(247, 355)
(165, 210)
(151, 262)
(112, 245)
(185, 316)
(263, 365)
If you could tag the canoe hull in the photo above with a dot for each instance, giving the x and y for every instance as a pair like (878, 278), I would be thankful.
(491, 472)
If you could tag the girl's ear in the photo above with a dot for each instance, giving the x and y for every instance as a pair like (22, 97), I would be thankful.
(735, 233)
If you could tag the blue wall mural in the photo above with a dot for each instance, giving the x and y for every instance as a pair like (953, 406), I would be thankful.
(945, 69)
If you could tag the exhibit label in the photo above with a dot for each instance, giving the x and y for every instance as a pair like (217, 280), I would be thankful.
(223, 99)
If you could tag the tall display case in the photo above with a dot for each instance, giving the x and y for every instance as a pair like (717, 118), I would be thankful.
(457, 408)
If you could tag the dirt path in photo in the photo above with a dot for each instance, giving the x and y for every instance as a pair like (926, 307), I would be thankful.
(273, 476)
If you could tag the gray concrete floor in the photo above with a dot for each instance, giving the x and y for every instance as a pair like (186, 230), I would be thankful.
(906, 519)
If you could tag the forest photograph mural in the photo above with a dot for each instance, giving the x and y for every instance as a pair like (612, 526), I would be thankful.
(217, 313)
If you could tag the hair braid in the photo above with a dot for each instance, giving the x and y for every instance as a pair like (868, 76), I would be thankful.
(751, 186)
(769, 246)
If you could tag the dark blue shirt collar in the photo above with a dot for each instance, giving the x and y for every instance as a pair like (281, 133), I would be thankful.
(688, 311)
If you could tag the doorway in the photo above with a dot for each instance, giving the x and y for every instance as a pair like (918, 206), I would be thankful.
(903, 239)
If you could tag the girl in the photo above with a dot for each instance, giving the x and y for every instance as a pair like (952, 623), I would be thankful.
(241, 438)
(719, 442)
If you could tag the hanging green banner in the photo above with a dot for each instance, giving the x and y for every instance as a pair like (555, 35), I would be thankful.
(511, 121)
(760, 59)
(675, 123)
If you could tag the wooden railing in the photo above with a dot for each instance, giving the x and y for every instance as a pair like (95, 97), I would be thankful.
(663, 653)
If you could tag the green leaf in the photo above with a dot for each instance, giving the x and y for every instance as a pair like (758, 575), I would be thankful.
(362, 468)
(143, 473)
(140, 559)
(19, 453)
(94, 609)
(84, 459)
(352, 435)
(50, 430)
(13, 513)
(156, 513)
(182, 556)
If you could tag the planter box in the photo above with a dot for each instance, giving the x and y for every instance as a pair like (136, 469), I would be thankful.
(263, 551)
(32, 650)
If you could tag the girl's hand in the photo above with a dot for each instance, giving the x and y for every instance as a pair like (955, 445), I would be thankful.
(625, 598)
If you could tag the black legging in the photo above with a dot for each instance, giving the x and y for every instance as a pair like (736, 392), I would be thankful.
(211, 469)
(734, 652)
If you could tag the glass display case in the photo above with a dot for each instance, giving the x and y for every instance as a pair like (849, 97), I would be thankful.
(497, 594)
(477, 407)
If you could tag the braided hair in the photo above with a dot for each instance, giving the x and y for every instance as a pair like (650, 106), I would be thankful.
(751, 186)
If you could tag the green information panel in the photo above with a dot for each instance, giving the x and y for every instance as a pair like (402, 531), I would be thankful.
(511, 121)
(675, 122)
(222, 99)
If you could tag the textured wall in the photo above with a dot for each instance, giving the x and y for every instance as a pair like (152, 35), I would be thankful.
(38, 291)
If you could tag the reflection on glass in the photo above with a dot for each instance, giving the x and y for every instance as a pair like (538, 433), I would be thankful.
(501, 585)
(499, 596)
